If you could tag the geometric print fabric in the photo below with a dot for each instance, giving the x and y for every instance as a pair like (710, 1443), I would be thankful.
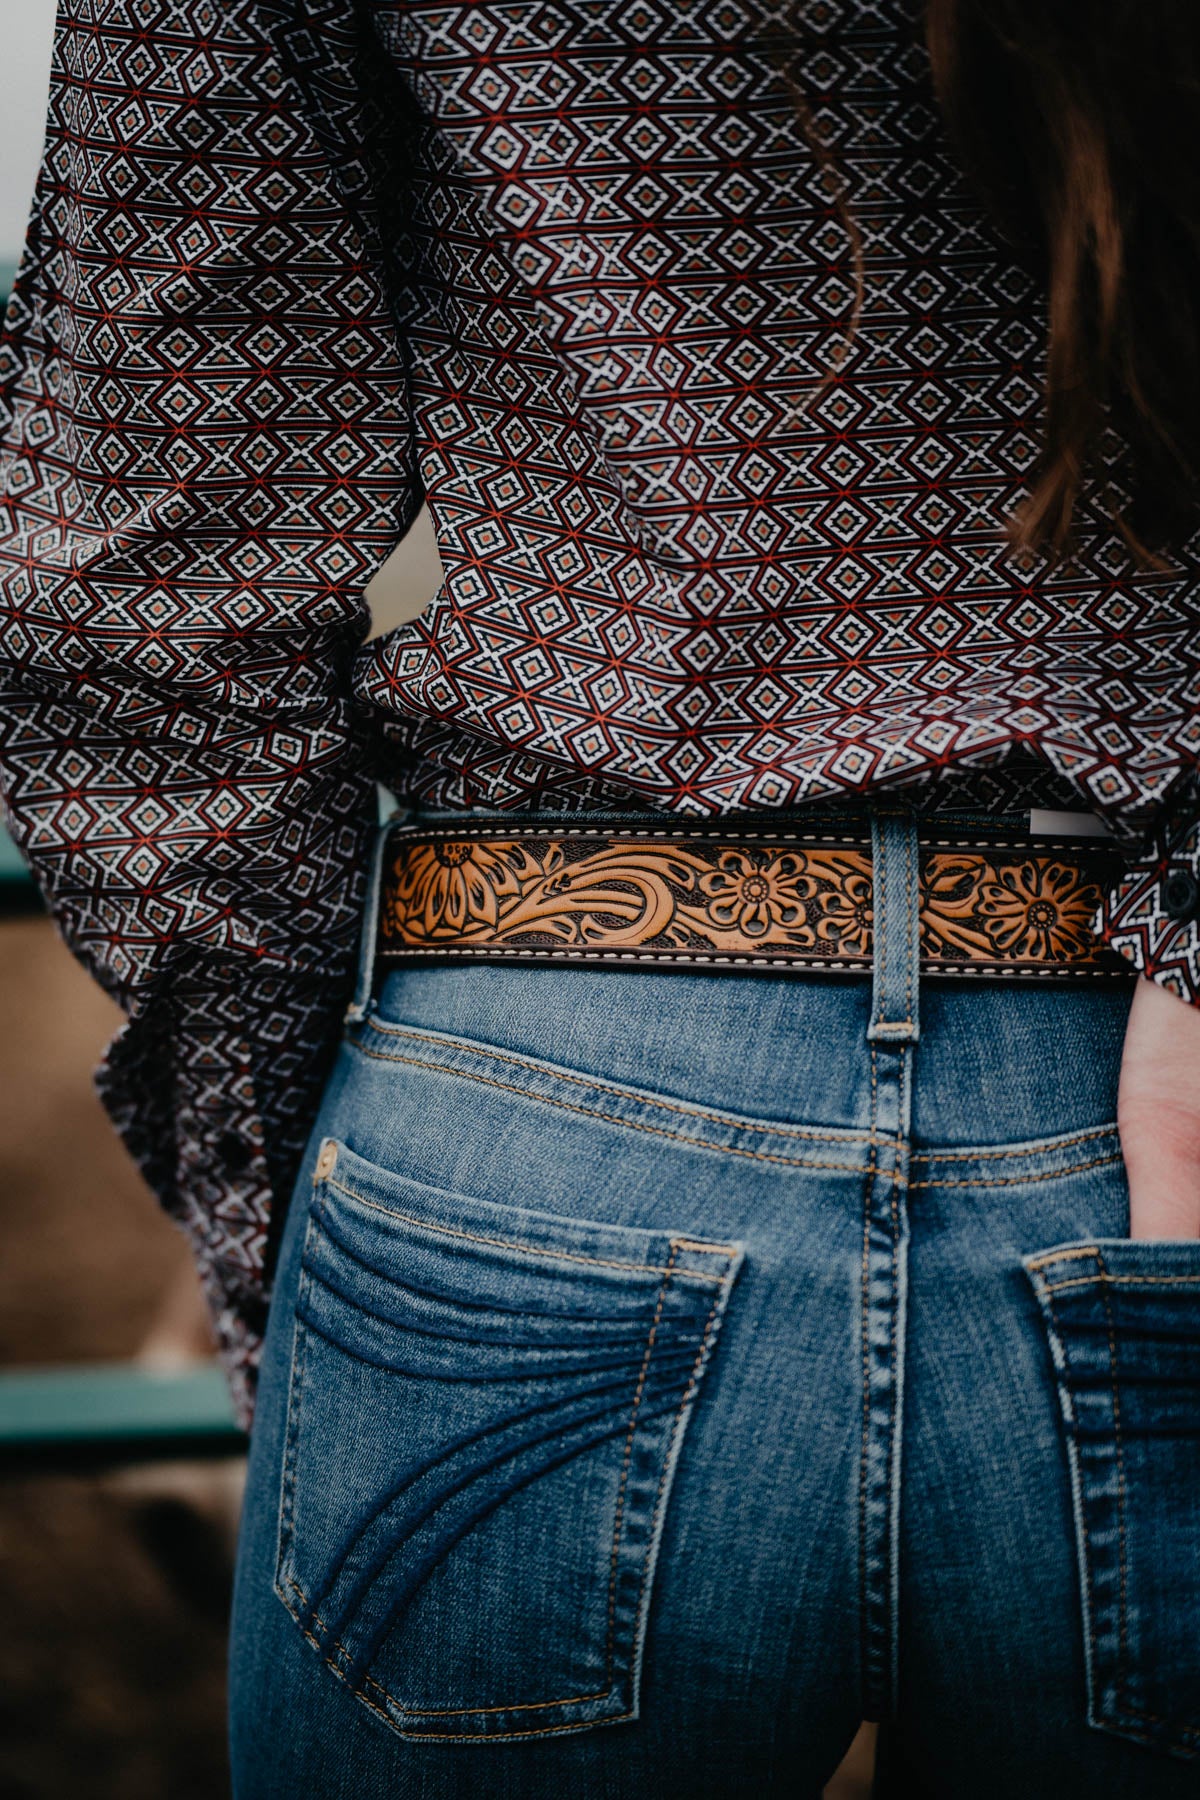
(714, 538)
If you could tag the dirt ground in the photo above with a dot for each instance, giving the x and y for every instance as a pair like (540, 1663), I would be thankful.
(113, 1586)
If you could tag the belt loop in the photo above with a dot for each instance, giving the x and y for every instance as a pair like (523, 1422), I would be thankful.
(895, 851)
(360, 1006)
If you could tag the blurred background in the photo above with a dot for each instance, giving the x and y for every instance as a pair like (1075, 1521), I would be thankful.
(118, 1492)
(120, 1474)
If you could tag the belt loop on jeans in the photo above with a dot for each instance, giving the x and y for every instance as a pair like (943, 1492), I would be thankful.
(895, 852)
(360, 1005)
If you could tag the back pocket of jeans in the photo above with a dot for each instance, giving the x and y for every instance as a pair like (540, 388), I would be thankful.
(486, 1410)
(1123, 1318)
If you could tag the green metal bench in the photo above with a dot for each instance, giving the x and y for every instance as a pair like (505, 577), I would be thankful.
(103, 1413)
(18, 890)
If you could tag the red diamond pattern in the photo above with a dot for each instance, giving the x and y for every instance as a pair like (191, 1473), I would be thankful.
(573, 273)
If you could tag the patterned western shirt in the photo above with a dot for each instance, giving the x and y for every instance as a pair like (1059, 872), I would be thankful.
(716, 536)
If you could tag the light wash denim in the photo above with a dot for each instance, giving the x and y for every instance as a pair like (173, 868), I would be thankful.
(667, 1371)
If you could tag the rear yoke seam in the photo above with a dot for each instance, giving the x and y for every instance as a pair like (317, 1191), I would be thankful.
(594, 1112)
(848, 1135)
(837, 1134)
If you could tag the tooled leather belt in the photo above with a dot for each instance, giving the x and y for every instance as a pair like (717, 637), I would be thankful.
(730, 897)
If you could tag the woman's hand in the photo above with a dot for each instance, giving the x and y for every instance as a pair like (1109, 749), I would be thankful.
(1158, 1111)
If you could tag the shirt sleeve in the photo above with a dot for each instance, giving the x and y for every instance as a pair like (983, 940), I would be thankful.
(1152, 915)
(206, 454)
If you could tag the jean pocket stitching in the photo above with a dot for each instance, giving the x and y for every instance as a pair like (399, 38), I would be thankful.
(353, 1668)
(1123, 1653)
(1059, 1287)
(1123, 1714)
(599, 1693)
(537, 1251)
(1023, 1180)
(624, 1124)
(603, 1692)
(342, 1660)
(1016, 1152)
(296, 1375)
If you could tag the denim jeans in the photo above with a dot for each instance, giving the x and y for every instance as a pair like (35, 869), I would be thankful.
(667, 1371)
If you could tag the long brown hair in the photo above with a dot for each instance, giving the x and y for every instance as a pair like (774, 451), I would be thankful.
(1079, 122)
